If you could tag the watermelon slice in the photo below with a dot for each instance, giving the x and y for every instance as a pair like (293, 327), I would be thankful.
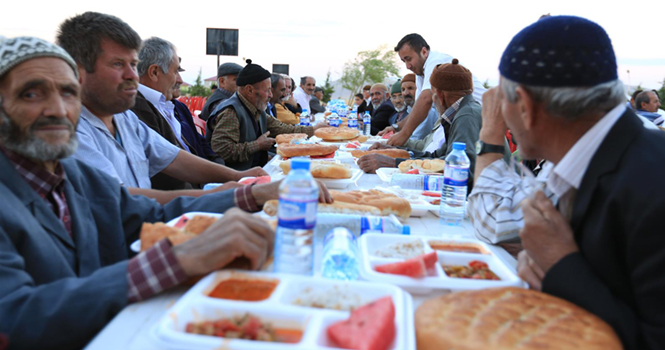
(181, 222)
(331, 155)
(256, 180)
(388, 135)
(432, 194)
(370, 327)
(414, 267)
(430, 259)
(413, 171)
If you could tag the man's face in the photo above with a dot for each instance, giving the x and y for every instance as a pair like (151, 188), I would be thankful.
(279, 92)
(261, 94)
(164, 82)
(228, 82)
(319, 95)
(357, 100)
(309, 86)
(415, 61)
(438, 100)
(378, 96)
(409, 93)
(112, 87)
(39, 109)
(512, 114)
(289, 87)
(398, 101)
(176, 91)
(366, 94)
(654, 103)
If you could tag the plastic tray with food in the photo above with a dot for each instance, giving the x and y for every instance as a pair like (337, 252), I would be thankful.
(386, 173)
(252, 310)
(422, 264)
(334, 174)
(177, 230)
(421, 202)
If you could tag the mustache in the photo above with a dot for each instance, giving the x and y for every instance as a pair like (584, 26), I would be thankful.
(50, 121)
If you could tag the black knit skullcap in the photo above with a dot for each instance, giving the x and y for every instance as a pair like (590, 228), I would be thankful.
(252, 74)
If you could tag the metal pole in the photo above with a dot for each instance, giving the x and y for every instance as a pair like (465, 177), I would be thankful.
(218, 45)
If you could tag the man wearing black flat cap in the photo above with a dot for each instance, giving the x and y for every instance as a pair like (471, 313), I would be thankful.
(239, 130)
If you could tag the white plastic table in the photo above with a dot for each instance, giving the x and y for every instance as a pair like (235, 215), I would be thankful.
(130, 329)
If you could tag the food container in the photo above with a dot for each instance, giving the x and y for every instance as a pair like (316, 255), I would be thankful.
(330, 183)
(289, 306)
(435, 279)
(420, 204)
(179, 221)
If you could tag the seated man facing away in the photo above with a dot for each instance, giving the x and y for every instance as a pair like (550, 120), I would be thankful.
(460, 121)
(647, 103)
(65, 227)
(112, 138)
(159, 74)
(602, 246)
(227, 74)
(239, 130)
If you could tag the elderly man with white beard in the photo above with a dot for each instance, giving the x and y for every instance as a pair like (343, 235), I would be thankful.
(383, 108)
(399, 103)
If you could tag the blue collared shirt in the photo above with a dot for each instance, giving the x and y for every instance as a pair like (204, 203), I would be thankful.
(142, 154)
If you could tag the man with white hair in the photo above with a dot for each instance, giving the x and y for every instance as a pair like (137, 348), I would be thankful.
(382, 107)
(597, 241)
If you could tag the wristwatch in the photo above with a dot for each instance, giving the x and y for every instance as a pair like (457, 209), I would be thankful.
(482, 148)
(395, 126)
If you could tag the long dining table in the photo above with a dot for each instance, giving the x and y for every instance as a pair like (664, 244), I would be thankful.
(131, 328)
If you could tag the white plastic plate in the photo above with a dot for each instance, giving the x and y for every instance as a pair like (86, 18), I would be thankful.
(386, 173)
(136, 245)
(330, 183)
(436, 278)
(280, 309)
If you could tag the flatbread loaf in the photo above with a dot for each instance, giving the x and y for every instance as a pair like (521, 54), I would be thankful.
(387, 203)
(287, 150)
(509, 318)
(287, 138)
(392, 152)
(323, 169)
(423, 165)
(336, 134)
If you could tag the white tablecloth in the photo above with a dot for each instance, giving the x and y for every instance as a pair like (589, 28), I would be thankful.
(130, 329)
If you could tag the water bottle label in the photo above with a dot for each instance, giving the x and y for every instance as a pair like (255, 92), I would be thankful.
(353, 122)
(304, 121)
(371, 224)
(297, 215)
(432, 183)
(335, 122)
(456, 176)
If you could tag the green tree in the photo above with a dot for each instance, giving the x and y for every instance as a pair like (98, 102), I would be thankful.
(328, 89)
(198, 89)
(372, 66)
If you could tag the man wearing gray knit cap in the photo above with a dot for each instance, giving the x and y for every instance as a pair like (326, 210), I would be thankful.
(591, 224)
(227, 73)
(65, 227)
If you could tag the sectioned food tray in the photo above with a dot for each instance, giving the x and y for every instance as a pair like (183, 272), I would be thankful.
(379, 249)
(297, 304)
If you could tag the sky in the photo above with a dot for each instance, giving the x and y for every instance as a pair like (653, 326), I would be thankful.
(315, 37)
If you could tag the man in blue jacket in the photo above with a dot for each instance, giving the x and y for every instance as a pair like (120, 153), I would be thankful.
(65, 227)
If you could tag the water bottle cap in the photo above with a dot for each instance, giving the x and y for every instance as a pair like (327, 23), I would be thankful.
(338, 231)
(300, 163)
(406, 230)
(459, 146)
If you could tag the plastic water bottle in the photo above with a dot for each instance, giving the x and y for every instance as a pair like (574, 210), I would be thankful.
(304, 118)
(360, 224)
(340, 255)
(367, 124)
(296, 219)
(456, 176)
(417, 182)
(353, 120)
(333, 120)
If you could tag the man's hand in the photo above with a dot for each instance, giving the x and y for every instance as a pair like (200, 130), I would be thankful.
(253, 172)
(236, 235)
(529, 271)
(265, 192)
(292, 101)
(546, 235)
(370, 162)
(399, 139)
(265, 142)
(494, 128)
(321, 125)
(226, 186)
(386, 130)
(380, 145)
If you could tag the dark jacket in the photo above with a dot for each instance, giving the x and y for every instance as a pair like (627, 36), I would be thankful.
(617, 219)
(250, 130)
(213, 100)
(315, 106)
(198, 145)
(149, 114)
(57, 292)
(365, 107)
(381, 116)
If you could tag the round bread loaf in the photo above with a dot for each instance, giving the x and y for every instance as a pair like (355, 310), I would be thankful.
(336, 134)
(287, 138)
(386, 202)
(391, 152)
(509, 318)
(288, 150)
(423, 165)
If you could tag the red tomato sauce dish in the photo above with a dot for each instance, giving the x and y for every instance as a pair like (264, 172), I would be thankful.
(244, 289)
(476, 270)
